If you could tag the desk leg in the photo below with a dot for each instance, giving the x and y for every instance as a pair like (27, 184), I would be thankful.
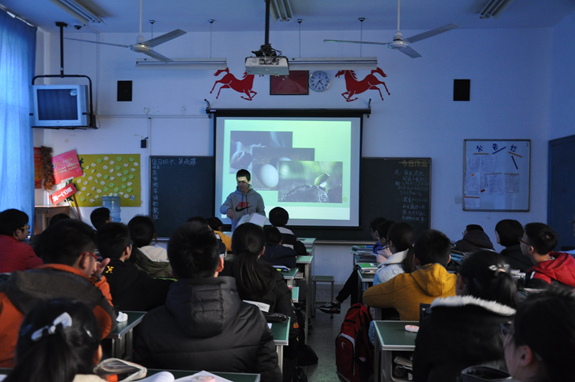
(129, 345)
(377, 375)
(280, 351)
(307, 300)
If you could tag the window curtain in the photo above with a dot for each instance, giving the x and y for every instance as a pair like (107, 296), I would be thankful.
(17, 61)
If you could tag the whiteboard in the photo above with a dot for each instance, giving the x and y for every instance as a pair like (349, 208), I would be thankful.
(496, 174)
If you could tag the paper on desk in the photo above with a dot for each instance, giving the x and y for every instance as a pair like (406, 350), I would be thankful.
(202, 373)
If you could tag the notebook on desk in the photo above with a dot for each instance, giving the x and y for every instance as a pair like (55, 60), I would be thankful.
(365, 256)
(367, 268)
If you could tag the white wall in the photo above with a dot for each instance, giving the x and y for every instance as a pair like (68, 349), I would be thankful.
(511, 73)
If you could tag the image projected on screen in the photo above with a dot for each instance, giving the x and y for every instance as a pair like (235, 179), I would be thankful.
(309, 166)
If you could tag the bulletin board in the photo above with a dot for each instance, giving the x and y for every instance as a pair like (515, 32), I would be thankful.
(109, 175)
(496, 174)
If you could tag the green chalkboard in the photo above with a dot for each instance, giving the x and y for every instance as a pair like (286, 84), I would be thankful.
(397, 189)
(180, 187)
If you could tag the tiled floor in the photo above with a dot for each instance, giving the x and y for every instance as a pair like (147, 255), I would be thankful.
(322, 338)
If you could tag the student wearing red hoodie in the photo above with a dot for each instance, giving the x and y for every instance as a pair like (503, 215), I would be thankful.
(537, 243)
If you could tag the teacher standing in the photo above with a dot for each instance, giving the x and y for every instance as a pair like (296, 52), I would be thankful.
(243, 201)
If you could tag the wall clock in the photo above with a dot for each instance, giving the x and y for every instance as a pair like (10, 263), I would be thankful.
(319, 81)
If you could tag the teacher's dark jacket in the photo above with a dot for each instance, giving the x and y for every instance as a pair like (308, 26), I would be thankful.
(461, 331)
(205, 326)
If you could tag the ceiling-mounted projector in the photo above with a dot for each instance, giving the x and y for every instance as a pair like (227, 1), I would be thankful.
(271, 66)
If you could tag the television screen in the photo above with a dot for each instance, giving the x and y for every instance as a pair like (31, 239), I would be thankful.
(59, 105)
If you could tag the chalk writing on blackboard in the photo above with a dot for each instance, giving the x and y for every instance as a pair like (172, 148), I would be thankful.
(413, 187)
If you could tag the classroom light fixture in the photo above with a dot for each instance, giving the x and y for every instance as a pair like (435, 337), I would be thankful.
(281, 10)
(81, 13)
(493, 8)
(184, 64)
(333, 63)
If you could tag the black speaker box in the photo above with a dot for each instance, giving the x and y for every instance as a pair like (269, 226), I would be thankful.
(461, 90)
(124, 91)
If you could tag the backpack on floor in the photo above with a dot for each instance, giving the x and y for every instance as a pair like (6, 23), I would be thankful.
(353, 350)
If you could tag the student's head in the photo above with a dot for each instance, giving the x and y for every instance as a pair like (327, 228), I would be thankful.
(142, 230)
(273, 235)
(538, 237)
(243, 177)
(508, 232)
(474, 227)
(253, 278)
(248, 239)
(14, 223)
(485, 275)
(57, 340)
(198, 221)
(215, 223)
(70, 242)
(100, 216)
(541, 344)
(432, 247)
(279, 217)
(113, 240)
(382, 230)
(58, 217)
(400, 236)
(193, 252)
(373, 226)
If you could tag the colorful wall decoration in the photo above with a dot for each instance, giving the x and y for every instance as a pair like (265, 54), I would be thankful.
(109, 175)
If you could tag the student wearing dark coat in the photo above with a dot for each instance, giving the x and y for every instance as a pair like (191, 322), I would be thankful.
(508, 232)
(464, 330)
(474, 238)
(204, 324)
(131, 288)
(275, 253)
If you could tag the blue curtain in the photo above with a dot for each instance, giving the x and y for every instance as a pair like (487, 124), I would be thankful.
(17, 61)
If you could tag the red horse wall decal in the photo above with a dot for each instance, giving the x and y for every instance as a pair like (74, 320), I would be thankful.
(353, 86)
(229, 81)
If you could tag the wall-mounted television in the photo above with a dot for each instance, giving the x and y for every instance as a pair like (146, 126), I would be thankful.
(59, 106)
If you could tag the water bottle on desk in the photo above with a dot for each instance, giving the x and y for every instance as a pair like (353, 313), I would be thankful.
(113, 204)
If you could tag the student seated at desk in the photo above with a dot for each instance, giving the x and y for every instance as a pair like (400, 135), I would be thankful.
(71, 271)
(100, 216)
(551, 268)
(204, 324)
(465, 330)
(15, 254)
(279, 218)
(58, 341)
(508, 232)
(474, 238)
(150, 258)
(36, 240)
(258, 281)
(406, 291)
(275, 253)
(217, 226)
(400, 238)
(131, 288)
(351, 285)
(540, 344)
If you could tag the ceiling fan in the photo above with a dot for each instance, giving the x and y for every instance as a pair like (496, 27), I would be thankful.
(402, 44)
(143, 46)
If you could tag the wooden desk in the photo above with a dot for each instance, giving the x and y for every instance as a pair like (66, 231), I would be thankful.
(391, 336)
(307, 241)
(234, 377)
(280, 331)
(364, 281)
(306, 262)
(123, 336)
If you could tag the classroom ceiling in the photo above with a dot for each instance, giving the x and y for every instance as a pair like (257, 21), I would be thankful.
(122, 16)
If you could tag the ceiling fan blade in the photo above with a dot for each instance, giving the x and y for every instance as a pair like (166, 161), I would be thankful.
(431, 33)
(97, 42)
(409, 51)
(157, 56)
(359, 42)
(165, 37)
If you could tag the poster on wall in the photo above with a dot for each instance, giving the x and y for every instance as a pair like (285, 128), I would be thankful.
(66, 166)
(496, 174)
(37, 168)
(109, 175)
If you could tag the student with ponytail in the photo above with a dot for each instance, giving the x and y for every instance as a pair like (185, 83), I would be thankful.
(258, 281)
(58, 341)
(465, 330)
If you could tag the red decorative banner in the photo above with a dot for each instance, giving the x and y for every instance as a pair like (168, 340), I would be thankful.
(62, 194)
(37, 168)
(66, 166)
